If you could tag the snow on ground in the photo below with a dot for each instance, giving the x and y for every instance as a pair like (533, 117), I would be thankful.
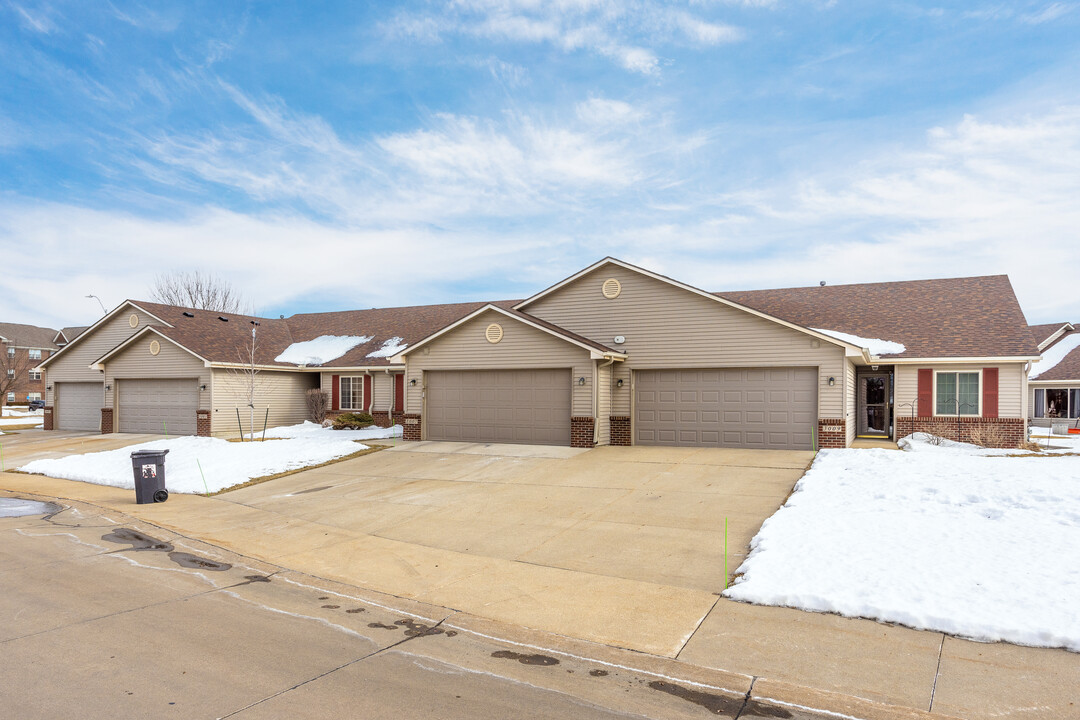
(23, 420)
(948, 538)
(321, 350)
(23, 412)
(874, 345)
(389, 348)
(224, 463)
(1054, 355)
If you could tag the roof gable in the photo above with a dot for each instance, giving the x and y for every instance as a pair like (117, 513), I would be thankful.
(1066, 367)
(27, 336)
(135, 337)
(88, 332)
(1049, 333)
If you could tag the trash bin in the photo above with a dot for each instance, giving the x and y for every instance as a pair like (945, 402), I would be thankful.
(148, 467)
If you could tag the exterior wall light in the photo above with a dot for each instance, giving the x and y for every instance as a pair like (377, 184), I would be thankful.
(581, 381)
(108, 387)
(832, 381)
(413, 382)
(202, 387)
(618, 383)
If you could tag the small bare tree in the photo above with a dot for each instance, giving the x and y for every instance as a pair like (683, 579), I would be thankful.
(318, 403)
(14, 368)
(198, 289)
(246, 376)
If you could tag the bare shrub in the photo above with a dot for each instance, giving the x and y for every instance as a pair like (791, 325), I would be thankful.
(318, 404)
(936, 430)
(989, 436)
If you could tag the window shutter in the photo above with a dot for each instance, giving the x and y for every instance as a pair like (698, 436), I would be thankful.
(990, 392)
(335, 392)
(399, 393)
(367, 393)
(926, 392)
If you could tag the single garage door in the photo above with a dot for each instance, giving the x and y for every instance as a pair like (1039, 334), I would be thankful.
(772, 408)
(510, 406)
(154, 406)
(78, 405)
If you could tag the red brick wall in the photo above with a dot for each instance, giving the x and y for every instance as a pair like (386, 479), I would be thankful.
(381, 418)
(106, 421)
(1011, 430)
(831, 433)
(620, 429)
(202, 423)
(581, 432)
(48, 418)
(412, 425)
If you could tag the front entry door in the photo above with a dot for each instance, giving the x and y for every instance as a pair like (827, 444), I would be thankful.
(873, 407)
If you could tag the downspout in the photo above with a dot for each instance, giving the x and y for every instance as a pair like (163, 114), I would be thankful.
(596, 399)
(369, 401)
(393, 396)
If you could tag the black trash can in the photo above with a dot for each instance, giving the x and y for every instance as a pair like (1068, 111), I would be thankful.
(149, 469)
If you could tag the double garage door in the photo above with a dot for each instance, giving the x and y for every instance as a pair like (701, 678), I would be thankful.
(771, 408)
(158, 406)
(511, 406)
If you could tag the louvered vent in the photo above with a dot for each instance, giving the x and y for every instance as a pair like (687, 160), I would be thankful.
(611, 288)
(155, 347)
(493, 333)
(133, 321)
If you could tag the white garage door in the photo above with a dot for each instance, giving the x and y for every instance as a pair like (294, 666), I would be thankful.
(510, 406)
(158, 406)
(78, 405)
(772, 408)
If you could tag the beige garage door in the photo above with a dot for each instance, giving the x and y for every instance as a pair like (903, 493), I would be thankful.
(510, 406)
(773, 408)
(157, 406)
(78, 405)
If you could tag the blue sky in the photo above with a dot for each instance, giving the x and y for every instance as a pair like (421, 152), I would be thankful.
(326, 156)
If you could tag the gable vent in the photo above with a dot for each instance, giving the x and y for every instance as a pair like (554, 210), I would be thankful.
(611, 288)
(155, 347)
(494, 333)
(133, 320)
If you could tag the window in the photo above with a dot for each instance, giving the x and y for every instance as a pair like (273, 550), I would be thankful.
(33, 396)
(35, 375)
(11, 352)
(1057, 403)
(11, 397)
(957, 393)
(35, 354)
(10, 373)
(352, 393)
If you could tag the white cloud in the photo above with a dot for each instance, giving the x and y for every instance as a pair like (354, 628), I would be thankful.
(37, 19)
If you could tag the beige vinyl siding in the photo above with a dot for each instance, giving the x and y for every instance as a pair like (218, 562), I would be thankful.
(74, 364)
(605, 389)
(382, 390)
(283, 392)
(668, 327)
(620, 397)
(850, 401)
(136, 362)
(522, 346)
(1011, 381)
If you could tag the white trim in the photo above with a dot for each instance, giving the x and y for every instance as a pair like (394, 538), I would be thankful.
(341, 395)
(696, 291)
(90, 330)
(978, 372)
(99, 363)
(594, 353)
(1057, 334)
(958, 360)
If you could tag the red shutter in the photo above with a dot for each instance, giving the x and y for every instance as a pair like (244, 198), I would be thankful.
(990, 392)
(367, 393)
(335, 392)
(399, 393)
(926, 393)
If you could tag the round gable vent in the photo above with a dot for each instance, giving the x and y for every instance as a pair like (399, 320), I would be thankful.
(155, 347)
(133, 321)
(611, 288)
(493, 333)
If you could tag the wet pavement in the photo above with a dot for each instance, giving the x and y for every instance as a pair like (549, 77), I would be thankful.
(104, 616)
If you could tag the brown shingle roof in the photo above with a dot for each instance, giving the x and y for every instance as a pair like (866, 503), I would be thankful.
(73, 332)
(29, 336)
(1042, 332)
(956, 317)
(1069, 367)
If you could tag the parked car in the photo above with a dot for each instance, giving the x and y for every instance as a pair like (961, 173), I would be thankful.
(35, 404)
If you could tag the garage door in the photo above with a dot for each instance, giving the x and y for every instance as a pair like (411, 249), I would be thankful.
(773, 408)
(154, 406)
(78, 405)
(511, 406)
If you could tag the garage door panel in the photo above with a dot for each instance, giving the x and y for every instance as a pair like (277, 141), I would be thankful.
(730, 407)
(521, 406)
(78, 405)
(158, 405)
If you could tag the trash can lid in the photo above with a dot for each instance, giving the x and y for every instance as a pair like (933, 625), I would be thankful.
(149, 453)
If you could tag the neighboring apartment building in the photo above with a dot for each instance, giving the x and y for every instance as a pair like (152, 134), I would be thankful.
(22, 349)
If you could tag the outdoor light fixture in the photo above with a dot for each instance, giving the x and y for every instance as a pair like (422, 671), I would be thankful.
(832, 381)
(48, 387)
(202, 387)
(413, 382)
(873, 367)
(108, 387)
(581, 381)
(618, 383)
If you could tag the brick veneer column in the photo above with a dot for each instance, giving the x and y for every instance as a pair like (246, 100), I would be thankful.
(106, 421)
(581, 432)
(620, 429)
(202, 423)
(832, 433)
(411, 427)
(381, 418)
(1011, 431)
(48, 420)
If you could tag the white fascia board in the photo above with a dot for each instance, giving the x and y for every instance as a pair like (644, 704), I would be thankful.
(959, 360)
(689, 288)
(90, 330)
(338, 369)
(1060, 331)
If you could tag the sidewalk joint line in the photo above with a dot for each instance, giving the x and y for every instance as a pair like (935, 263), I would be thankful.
(746, 699)
(698, 627)
(937, 673)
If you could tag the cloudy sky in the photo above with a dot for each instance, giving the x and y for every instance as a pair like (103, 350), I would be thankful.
(325, 156)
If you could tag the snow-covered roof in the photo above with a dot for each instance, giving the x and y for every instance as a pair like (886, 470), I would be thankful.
(322, 349)
(1053, 356)
(875, 346)
(389, 348)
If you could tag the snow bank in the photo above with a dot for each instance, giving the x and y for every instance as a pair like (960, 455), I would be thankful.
(24, 420)
(321, 350)
(874, 345)
(224, 463)
(944, 538)
(1055, 355)
(389, 348)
